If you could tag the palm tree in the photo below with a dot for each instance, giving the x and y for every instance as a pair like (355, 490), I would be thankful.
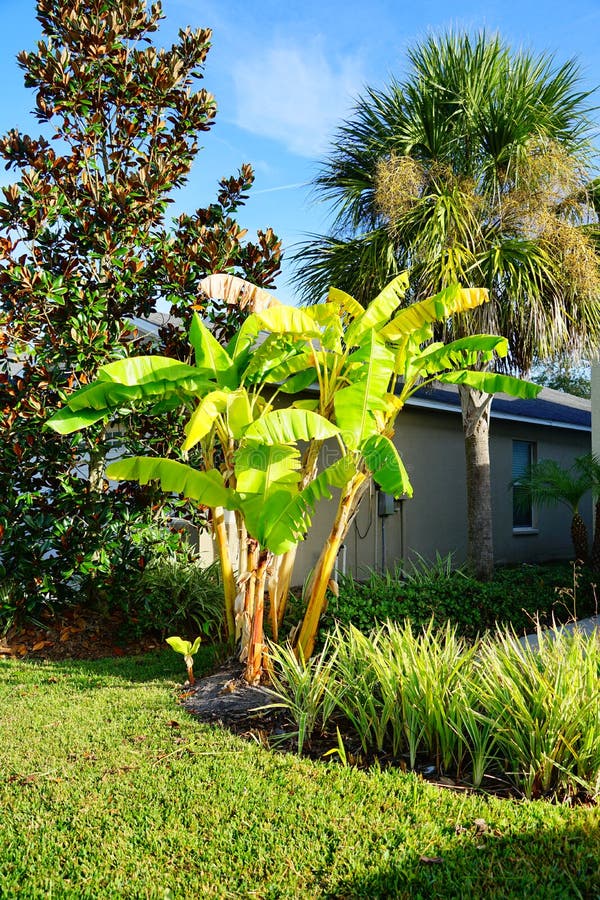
(473, 170)
(547, 483)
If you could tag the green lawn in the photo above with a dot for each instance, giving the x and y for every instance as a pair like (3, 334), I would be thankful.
(103, 794)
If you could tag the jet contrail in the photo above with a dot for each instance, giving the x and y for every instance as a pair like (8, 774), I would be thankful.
(283, 187)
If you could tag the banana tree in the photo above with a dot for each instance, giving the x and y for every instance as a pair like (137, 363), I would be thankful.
(366, 363)
(249, 460)
(276, 509)
(363, 363)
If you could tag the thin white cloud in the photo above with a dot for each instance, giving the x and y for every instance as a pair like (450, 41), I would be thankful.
(295, 93)
(281, 187)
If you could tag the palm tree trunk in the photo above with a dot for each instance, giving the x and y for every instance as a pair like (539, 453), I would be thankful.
(579, 536)
(476, 419)
(347, 507)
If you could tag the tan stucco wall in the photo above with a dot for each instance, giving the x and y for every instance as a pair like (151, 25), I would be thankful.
(552, 540)
(434, 520)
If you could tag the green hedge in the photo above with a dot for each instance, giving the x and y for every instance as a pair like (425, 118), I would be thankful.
(516, 596)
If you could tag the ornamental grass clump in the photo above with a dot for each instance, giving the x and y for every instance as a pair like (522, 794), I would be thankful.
(436, 665)
(544, 701)
(527, 714)
(368, 687)
(303, 688)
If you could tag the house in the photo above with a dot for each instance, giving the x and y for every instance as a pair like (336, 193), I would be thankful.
(430, 440)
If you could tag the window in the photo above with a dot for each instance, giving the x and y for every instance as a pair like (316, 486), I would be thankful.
(523, 455)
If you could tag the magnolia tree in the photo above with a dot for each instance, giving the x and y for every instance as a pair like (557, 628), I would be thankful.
(85, 248)
(261, 408)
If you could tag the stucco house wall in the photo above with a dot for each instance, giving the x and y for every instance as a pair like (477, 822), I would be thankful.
(596, 408)
(429, 438)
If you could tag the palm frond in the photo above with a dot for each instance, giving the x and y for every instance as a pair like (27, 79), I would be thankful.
(498, 146)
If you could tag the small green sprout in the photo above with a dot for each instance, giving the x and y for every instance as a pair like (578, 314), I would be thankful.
(188, 650)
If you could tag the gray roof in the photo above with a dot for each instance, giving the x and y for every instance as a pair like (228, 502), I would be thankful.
(550, 407)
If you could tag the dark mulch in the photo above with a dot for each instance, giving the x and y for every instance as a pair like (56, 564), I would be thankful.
(223, 698)
(76, 633)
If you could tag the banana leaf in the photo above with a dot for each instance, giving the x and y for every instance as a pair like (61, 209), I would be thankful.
(174, 477)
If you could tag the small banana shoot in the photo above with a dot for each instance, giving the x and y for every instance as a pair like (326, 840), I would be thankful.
(188, 650)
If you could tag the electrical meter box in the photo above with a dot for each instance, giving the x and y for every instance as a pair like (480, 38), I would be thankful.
(385, 504)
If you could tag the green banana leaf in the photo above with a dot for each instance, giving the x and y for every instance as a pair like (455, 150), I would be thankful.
(312, 405)
(290, 514)
(379, 310)
(203, 418)
(356, 404)
(299, 362)
(211, 357)
(278, 522)
(241, 342)
(288, 320)
(207, 488)
(469, 351)
(240, 412)
(66, 422)
(299, 382)
(271, 354)
(286, 426)
(260, 468)
(452, 299)
(386, 466)
(493, 383)
(344, 301)
(107, 395)
(327, 315)
(186, 648)
(136, 370)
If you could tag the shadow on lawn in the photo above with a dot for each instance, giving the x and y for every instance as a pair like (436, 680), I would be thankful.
(545, 864)
(156, 665)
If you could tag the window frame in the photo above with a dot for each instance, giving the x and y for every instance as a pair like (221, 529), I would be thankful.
(519, 525)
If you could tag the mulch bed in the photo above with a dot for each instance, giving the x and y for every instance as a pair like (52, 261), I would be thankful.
(224, 698)
(77, 633)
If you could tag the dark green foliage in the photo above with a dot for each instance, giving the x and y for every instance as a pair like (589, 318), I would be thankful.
(176, 594)
(85, 248)
(514, 597)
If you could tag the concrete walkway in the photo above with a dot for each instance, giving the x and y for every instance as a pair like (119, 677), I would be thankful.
(586, 626)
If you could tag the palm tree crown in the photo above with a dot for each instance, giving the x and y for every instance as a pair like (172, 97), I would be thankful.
(474, 169)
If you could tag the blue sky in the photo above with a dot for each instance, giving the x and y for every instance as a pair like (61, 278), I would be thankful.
(284, 74)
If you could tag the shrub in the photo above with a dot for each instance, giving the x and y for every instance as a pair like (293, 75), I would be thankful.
(147, 571)
(518, 596)
(176, 592)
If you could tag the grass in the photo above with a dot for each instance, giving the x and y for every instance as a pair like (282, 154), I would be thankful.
(495, 708)
(109, 789)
